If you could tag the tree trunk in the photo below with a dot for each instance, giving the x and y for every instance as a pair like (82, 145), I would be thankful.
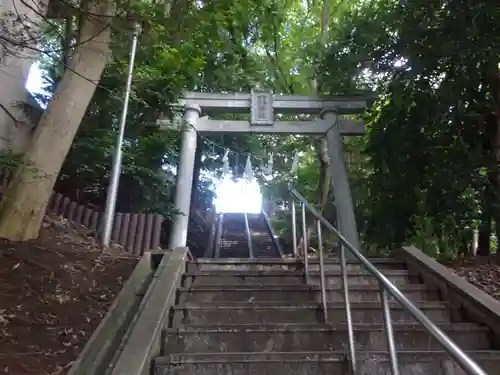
(66, 41)
(23, 207)
(484, 231)
(320, 145)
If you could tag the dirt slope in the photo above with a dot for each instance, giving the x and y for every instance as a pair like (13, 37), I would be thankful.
(53, 294)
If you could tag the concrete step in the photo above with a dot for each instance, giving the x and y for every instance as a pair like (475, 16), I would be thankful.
(315, 337)
(296, 293)
(230, 277)
(287, 312)
(381, 263)
(226, 251)
(331, 264)
(318, 363)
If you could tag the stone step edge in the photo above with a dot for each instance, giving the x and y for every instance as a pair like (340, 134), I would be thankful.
(299, 357)
(286, 305)
(305, 327)
(288, 272)
(296, 287)
(288, 261)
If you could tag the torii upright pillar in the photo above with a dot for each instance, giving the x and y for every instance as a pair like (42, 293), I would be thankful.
(185, 169)
(346, 218)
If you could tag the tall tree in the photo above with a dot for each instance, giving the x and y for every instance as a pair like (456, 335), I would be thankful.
(432, 134)
(26, 199)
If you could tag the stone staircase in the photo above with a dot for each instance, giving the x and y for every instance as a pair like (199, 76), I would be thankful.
(263, 246)
(234, 240)
(257, 316)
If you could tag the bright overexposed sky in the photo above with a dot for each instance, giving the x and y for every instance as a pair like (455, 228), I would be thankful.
(231, 196)
(238, 196)
(35, 80)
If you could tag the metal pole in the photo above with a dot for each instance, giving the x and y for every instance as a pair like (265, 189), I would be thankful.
(391, 345)
(348, 312)
(109, 211)
(294, 229)
(304, 235)
(322, 273)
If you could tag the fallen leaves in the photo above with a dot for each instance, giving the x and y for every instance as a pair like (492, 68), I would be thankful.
(483, 272)
(53, 293)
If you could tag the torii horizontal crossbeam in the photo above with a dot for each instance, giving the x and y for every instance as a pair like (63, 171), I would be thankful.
(346, 127)
(239, 102)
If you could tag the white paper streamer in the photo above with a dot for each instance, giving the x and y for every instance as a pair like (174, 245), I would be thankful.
(295, 164)
(270, 162)
(225, 164)
(248, 169)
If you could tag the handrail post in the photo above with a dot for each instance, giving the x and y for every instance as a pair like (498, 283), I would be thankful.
(274, 237)
(218, 237)
(322, 273)
(468, 364)
(348, 312)
(209, 251)
(305, 246)
(249, 236)
(294, 229)
(391, 345)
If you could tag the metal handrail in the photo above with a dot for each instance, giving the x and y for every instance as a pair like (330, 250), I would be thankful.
(306, 246)
(306, 256)
(272, 232)
(209, 251)
(386, 286)
(322, 272)
(249, 236)
(294, 229)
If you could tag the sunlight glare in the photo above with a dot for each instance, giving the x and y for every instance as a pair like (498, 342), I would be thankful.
(238, 196)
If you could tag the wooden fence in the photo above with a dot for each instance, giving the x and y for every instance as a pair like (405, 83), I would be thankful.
(137, 233)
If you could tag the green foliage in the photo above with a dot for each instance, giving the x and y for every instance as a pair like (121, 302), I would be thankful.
(435, 65)
(427, 171)
(212, 46)
(9, 160)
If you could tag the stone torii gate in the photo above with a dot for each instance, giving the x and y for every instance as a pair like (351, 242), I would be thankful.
(265, 109)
